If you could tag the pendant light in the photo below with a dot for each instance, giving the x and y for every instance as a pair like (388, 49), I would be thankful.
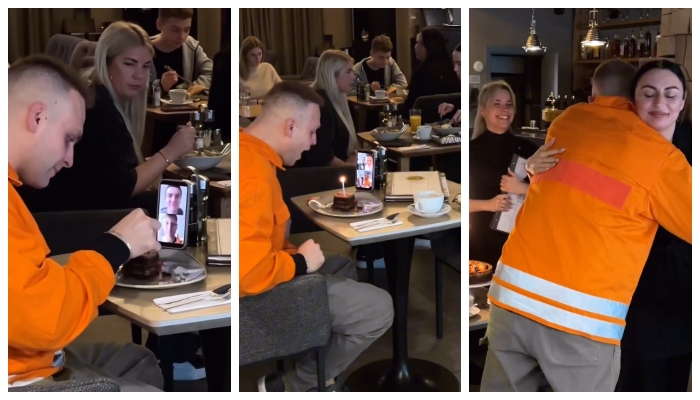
(533, 43)
(592, 38)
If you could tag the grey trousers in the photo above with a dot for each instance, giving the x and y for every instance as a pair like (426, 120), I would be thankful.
(133, 367)
(360, 314)
(525, 356)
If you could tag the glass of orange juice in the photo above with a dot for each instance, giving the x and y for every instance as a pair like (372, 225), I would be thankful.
(414, 117)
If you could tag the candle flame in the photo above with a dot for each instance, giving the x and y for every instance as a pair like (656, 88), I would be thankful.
(342, 179)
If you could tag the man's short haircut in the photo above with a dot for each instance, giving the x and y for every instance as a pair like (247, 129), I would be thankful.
(382, 44)
(42, 68)
(290, 91)
(173, 186)
(176, 13)
(614, 78)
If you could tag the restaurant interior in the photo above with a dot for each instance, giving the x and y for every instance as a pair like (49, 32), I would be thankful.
(548, 57)
(406, 124)
(186, 123)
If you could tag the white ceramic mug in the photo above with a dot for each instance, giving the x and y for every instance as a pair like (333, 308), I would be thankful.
(424, 132)
(178, 96)
(471, 300)
(428, 201)
(381, 94)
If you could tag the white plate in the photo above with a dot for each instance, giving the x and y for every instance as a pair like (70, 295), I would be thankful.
(172, 258)
(357, 212)
(474, 311)
(476, 285)
(444, 210)
(166, 101)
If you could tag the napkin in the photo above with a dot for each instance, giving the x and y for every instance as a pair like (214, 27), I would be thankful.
(415, 147)
(205, 302)
(396, 222)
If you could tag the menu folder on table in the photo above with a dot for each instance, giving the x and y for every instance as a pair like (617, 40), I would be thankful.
(219, 241)
(400, 186)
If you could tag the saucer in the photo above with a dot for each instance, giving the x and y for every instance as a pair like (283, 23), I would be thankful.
(474, 311)
(444, 210)
(166, 101)
(416, 137)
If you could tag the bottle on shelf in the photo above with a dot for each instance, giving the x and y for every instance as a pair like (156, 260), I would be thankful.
(616, 46)
(565, 103)
(658, 36)
(633, 46)
(641, 45)
(573, 100)
(625, 48)
(557, 103)
(647, 43)
(607, 53)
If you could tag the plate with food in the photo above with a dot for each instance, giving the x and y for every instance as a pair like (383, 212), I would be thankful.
(346, 204)
(480, 273)
(160, 270)
(444, 128)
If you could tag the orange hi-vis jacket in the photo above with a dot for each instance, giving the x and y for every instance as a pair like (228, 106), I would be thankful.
(49, 305)
(266, 257)
(582, 237)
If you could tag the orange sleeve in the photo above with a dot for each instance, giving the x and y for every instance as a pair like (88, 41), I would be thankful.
(289, 247)
(50, 305)
(261, 266)
(671, 197)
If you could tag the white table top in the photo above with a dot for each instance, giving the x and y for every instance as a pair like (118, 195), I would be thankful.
(136, 305)
(481, 320)
(412, 224)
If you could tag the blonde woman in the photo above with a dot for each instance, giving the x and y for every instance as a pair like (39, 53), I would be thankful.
(255, 76)
(108, 168)
(490, 153)
(336, 140)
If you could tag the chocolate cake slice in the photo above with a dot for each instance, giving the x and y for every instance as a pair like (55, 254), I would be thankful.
(343, 202)
(144, 267)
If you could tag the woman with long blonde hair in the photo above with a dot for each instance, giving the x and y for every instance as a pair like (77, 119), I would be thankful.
(490, 179)
(255, 76)
(109, 168)
(336, 139)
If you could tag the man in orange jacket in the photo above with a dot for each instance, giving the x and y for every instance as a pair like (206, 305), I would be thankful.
(50, 305)
(360, 313)
(570, 267)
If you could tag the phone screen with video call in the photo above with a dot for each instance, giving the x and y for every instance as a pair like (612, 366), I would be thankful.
(173, 213)
(364, 178)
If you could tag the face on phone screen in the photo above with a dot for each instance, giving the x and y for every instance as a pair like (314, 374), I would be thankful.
(172, 213)
(365, 171)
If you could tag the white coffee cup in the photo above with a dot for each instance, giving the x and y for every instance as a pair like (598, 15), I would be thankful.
(424, 132)
(381, 94)
(428, 201)
(471, 300)
(178, 96)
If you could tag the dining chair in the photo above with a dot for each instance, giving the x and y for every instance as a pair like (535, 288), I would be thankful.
(78, 385)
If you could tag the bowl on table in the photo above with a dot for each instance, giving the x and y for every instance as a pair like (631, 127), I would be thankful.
(207, 160)
(384, 134)
(479, 272)
(445, 129)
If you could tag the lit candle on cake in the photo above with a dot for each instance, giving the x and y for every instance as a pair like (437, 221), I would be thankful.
(342, 182)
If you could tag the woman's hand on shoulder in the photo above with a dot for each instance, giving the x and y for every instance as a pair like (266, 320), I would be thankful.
(543, 160)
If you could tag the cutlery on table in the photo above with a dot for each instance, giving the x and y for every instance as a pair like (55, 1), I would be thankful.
(220, 291)
(388, 219)
(178, 75)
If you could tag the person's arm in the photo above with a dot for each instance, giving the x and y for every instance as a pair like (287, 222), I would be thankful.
(398, 79)
(261, 266)
(671, 197)
(477, 205)
(204, 67)
(50, 305)
(150, 170)
(275, 76)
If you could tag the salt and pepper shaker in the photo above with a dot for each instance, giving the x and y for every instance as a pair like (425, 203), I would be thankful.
(156, 93)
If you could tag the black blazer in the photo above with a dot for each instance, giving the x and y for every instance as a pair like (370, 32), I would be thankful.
(103, 175)
(331, 138)
(220, 93)
(430, 77)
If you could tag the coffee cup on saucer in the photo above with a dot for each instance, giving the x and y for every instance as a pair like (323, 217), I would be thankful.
(380, 94)
(428, 201)
(179, 96)
(471, 301)
(424, 132)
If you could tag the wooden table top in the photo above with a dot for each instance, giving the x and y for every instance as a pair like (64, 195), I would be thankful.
(137, 306)
(435, 149)
(412, 225)
(367, 104)
(250, 111)
(158, 113)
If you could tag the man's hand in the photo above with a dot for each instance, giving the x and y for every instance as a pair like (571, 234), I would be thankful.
(543, 159)
(312, 254)
(168, 80)
(195, 89)
(139, 231)
(375, 86)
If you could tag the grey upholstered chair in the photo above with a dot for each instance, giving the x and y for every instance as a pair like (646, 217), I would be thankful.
(62, 46)
(289, 320)
(81, 385)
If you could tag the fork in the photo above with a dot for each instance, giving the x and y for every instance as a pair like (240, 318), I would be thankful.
(220, 291)
(213, 297)
(178, 75)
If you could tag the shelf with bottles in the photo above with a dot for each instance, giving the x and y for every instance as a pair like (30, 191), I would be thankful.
(634, 60)
(632, 23)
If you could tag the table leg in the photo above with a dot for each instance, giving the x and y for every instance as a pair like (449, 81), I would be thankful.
(404, 164)
(362, 119)
(165, 355)
(216, 350)
(401, 374)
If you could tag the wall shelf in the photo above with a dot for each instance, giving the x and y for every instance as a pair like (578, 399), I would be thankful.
(632, 23)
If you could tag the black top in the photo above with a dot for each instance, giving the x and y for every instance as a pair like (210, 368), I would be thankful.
(220, 93)
(430, 77)
(331, 138)
(374, 75)
(659, 321)
(173, 60)
(103, 175)
(490, 156)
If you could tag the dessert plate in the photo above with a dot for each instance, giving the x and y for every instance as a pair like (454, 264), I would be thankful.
(179, 269)
(367, 204)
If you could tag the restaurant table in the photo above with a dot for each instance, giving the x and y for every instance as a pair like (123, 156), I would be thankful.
(251, 111)
(362, 106)
(213, 323)
(400, 374)
(481, 320)
(154, 114)
(219, 187)
(403, 157)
